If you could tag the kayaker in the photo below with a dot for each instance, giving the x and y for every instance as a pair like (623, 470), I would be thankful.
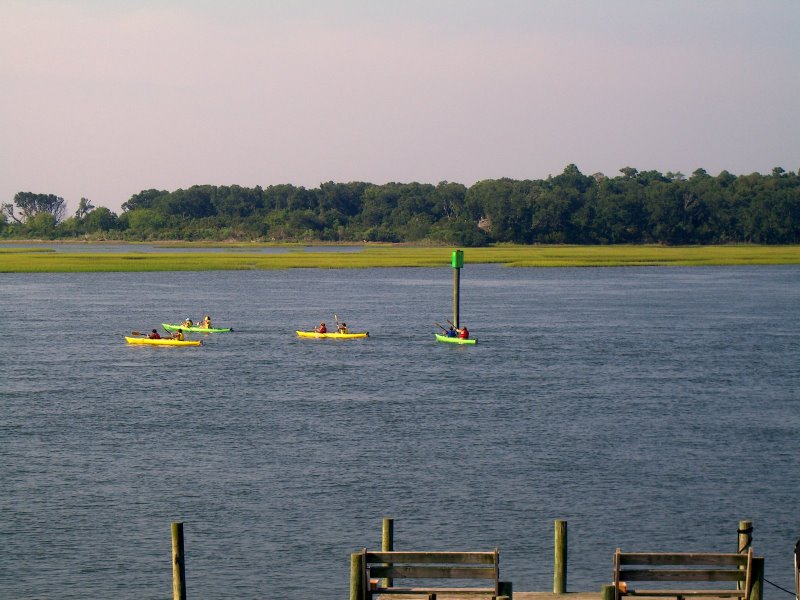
(463, 333)
(206, 322)
(188, 323)
(178, 335)
(321, 328)
(342, 328)
(153, 335)
(451, 332)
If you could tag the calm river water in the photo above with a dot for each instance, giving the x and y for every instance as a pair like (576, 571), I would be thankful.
(652, 408)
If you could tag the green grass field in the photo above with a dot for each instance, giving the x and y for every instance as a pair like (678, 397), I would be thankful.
(21, 260)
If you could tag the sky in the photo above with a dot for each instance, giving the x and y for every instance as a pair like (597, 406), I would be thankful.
(103, 99)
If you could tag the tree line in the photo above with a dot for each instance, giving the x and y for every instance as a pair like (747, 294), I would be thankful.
(570, 208)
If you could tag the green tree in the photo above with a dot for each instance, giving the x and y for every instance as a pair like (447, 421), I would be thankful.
(100, 219)
(144, 199)
(84, 208)
(41, 225)
(30, 205)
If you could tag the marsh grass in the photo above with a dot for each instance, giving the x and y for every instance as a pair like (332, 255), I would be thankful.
(21, 260)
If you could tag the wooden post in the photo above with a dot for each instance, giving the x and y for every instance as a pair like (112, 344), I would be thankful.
(797, 570)
(387, 543)
(456, 293)
(178, 563)
(757, 579)
(745, 540)
(745, 532)
(506, 590)
(456, 261)
(560, 560)
(357, 583)
(608, 592)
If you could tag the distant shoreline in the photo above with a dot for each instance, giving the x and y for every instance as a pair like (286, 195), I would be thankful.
(39, 260)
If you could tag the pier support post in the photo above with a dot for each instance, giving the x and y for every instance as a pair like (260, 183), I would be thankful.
(506, 590)
(745, 540)
(357, 584)
(178, 563)
(608, 592)
(387, 543)
(745, 532)
(560, 558)
(757, 579)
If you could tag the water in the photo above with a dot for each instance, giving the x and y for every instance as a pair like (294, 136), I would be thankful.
(95, 247)
(652, 408)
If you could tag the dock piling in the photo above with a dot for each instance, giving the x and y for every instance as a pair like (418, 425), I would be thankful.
(358, 589)
(178, 563)
(560, 558)
(387, 542)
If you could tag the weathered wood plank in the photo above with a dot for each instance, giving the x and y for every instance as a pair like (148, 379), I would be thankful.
(438, 590)
(463, 558)
(681, 575)
(430, 572)
(682, 558)
(714, 593)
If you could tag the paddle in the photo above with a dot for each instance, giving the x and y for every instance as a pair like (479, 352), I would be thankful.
(440, 326)
(137, 333)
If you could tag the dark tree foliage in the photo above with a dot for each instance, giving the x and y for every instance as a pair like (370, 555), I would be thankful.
(569, 208)
(30, 205)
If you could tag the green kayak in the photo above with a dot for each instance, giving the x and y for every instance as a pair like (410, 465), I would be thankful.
(454, 340)
(170, 327)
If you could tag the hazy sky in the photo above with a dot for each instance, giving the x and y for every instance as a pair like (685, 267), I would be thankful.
(103, 99)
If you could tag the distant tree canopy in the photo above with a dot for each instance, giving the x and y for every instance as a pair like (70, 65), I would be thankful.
(570, 208)
(30, 205)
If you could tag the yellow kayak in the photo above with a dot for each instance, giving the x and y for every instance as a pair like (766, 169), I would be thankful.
(162, 341)
(333, 334)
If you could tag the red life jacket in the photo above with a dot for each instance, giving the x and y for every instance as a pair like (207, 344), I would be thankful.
(463, 334)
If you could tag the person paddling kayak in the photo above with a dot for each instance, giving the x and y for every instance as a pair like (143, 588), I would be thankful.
(321, 328)
(463, 333)
(153, 335)
(178, 335)
(342, 328)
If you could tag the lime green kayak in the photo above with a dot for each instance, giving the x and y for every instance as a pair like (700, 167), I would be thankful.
(454, 340)
(162, 341)
(169, 327)
(333, 334)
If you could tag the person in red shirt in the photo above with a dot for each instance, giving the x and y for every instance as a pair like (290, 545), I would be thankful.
(321, 328)
(153, 335)
(463, 333)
